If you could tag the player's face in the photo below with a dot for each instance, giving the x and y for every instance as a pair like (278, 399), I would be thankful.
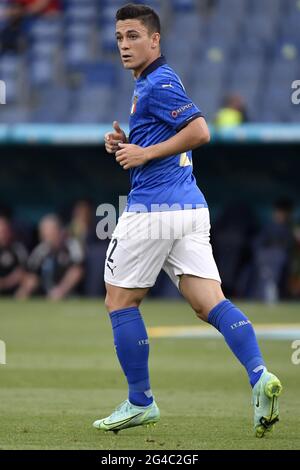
(138, 48)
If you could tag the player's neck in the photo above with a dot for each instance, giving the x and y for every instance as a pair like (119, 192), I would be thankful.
(138, 72)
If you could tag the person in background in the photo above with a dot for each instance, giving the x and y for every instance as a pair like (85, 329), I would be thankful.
(82, 225)
(13, 258)
(272, 250)
(11, 14)
(56, 265)
(232, 237)
(233, 112)
(15, 14)
(40, 7)
(294, 269)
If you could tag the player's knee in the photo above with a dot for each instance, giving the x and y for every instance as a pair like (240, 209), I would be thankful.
(203, 309)
(112, 303)
(201, 312)
(108, 303)
(115, 302)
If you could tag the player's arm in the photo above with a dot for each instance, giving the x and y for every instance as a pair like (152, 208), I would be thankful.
(70, 280)
(193, 135)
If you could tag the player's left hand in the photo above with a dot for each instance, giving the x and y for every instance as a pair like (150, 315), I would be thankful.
(131, 155)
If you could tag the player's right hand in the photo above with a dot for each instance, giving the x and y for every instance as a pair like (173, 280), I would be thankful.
(113, 139)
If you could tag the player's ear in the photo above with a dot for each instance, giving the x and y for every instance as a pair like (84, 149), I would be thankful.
(155, 40)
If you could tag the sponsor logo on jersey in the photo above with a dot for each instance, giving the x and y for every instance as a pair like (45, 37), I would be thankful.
(180, 110)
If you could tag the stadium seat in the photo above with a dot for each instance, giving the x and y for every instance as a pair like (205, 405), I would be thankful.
(248, 69)
(76, 31)
(183, 5)
(83, 12)
(209, 73)
(53, 105)
(91, 104)
(43, 69)
(13, 114)
(287, 70)
(42, 29)
(45, 48)
(235, 7)
(218, 51)
(208, 99)
(11, 71)
(78, 51)
(267, 9)
(9, 65)
(186, 23)
(277, 99)
(108, 38)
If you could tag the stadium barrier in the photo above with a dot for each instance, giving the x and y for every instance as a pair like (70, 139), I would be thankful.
(53, 134)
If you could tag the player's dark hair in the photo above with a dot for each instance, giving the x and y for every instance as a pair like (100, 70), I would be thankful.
(145, 14)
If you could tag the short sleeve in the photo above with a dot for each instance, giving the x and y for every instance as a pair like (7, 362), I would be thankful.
(168, 102)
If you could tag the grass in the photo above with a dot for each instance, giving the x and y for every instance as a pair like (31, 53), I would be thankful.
(62, 373)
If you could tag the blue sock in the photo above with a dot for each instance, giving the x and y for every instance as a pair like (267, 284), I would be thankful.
(240, 337)
(132, 348)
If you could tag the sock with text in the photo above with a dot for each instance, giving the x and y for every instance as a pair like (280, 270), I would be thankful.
(132, 348)
(240, 337)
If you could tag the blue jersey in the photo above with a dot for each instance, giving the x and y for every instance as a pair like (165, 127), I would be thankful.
(160, 108)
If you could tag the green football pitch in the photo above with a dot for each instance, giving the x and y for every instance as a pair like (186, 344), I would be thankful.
(61, 373)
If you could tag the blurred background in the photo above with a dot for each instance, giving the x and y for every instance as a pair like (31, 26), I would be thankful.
(64, 87)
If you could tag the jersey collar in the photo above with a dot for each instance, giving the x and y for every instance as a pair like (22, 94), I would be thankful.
(153, 66)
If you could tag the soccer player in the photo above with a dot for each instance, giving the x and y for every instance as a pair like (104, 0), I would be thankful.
(165, 125)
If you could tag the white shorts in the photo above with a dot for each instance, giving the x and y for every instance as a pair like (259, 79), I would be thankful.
(144, 243)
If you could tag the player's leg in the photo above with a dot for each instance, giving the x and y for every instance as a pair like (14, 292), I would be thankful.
(192, 267)
(210, 305)
(132, 266)
(202, 294)
(119, 297)
(131, 340)
(132, 348)
(207, 300)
